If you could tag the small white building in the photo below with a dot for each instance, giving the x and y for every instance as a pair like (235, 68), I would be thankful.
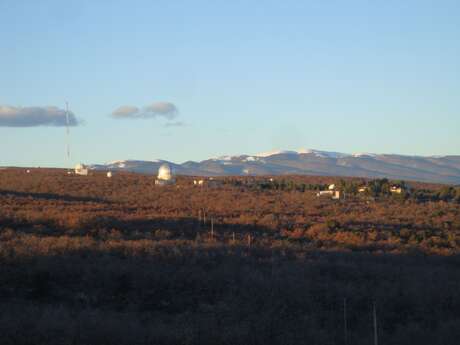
(328, 193)
(81, 169)
(208, 182)
(109, 174)
(165, 176)
(396, 189)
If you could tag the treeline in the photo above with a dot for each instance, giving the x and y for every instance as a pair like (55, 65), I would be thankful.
(448, 194)
(374, 188)
(277, 185)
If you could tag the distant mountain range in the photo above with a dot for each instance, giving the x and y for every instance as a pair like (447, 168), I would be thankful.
(442, 169)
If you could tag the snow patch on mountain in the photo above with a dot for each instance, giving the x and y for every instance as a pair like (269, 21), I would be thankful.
(242, 158)
(316, 153)
(363, 155)
(276, 152)
(223, 158)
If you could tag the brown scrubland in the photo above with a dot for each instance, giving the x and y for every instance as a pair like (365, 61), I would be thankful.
(248, 260)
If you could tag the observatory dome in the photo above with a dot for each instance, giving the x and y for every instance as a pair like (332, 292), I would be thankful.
(165, 173)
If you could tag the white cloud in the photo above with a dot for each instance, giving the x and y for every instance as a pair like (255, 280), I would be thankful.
(166, 110)
(125, 111)
(35, 116)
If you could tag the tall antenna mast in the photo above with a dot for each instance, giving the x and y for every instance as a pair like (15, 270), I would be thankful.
(67, 129)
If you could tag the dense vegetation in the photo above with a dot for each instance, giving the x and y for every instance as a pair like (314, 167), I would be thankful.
(92, 260)
(351, 187)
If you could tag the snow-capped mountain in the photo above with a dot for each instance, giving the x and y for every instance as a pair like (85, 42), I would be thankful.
(444, 169)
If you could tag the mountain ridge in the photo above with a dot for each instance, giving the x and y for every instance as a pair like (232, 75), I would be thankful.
(441, 169)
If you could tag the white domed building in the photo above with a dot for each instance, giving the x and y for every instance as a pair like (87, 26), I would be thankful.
(165, 176)
(81, 169)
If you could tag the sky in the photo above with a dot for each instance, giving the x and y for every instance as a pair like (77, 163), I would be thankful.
(191, 80)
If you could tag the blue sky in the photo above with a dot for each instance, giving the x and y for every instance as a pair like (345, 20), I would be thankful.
(245, 76)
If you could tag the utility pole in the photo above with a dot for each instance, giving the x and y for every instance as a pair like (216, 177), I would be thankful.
(345, 323)
(376, 340)
(212, 229)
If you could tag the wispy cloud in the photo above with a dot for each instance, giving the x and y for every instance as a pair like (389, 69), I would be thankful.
(166, 110)
(175, 124)
(35, 116)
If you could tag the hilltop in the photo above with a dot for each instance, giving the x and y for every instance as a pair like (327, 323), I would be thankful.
(437, 169)
(247, 260)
